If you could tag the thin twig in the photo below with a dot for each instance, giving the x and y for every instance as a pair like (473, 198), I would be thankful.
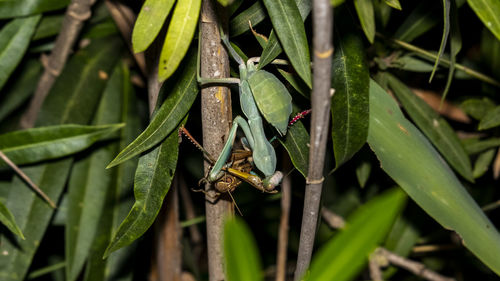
(286, 198)
(381, 257)
(333, 220)
(444, 61)
(321, 99)
(168, 241)
(20, 173)
(433, 248)
(125, 18)
(216, 121)
(77, 12)
(491, 206)
(375, 272)
(196, 237)
(414, 267)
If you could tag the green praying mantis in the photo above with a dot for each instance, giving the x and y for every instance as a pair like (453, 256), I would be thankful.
(260, 92)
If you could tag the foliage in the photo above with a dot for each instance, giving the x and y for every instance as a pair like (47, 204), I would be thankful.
(415, 104)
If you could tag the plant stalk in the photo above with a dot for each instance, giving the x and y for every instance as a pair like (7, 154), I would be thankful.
(320, 100)
(76, 14)
(216, 122)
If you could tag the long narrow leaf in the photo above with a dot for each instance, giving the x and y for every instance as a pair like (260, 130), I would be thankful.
(254, 14)
(455, 44)
(350, 79)
(444, 38)
(346, 253)
(118, 199)
(289, 27)
(63, 105)
(7, 219)
(240, 252)
(296, 144)
(366, 15)
(11, 9)
(169, 115)
(434, 127)
(149, 22)
(19, 91)
(89, 184)
(153, 177)
(45, 143)
(273, 47)
(14, 40)
(489, 13)
(407, 156)
(179, 35)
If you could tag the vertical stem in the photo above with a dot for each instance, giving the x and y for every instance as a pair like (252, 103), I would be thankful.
(78, 11)
(321, 98)
(286, 198)
(216, 121)
(168, 242)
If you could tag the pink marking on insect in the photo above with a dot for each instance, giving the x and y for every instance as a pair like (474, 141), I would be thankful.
(298, 117)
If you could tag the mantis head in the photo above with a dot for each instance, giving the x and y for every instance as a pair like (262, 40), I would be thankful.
(272, 181)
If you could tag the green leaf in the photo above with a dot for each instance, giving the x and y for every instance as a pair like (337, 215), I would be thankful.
(240, 252)
(423, 18)
(350, 79)
(44, 143)
(172, 111)
(363, 171)
(11, 9)
(393, 3)
(49, 26)
(489, 13)
(483, 162)
(179, 35)
(273, 47)
(254, 14)
(407, 156)
(490, 53)
(289, 27)
(15, 37)
(382, 12)
(153, 177)
(491, 119)
(296, 144)
(455, 45)
(479, 146)
(439, 132)
(149, 22)
(296, 83)
(411, 63)
(444, 38)
(89, 184)
(346, 253)
(477, 108)
(400, 240)
(118, 199)
(63, 105)
(366, 15)
(80, 83)
(7, 219)
(15, 94)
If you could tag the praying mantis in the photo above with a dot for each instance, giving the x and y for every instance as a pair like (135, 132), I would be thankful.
(238, 169)
(259, 92)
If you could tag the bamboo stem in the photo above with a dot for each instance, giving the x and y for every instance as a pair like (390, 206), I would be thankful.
(321, 100)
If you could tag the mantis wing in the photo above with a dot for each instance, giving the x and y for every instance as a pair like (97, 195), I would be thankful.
(272, 98)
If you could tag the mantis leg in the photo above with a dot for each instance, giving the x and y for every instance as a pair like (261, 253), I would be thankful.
(216, 171)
